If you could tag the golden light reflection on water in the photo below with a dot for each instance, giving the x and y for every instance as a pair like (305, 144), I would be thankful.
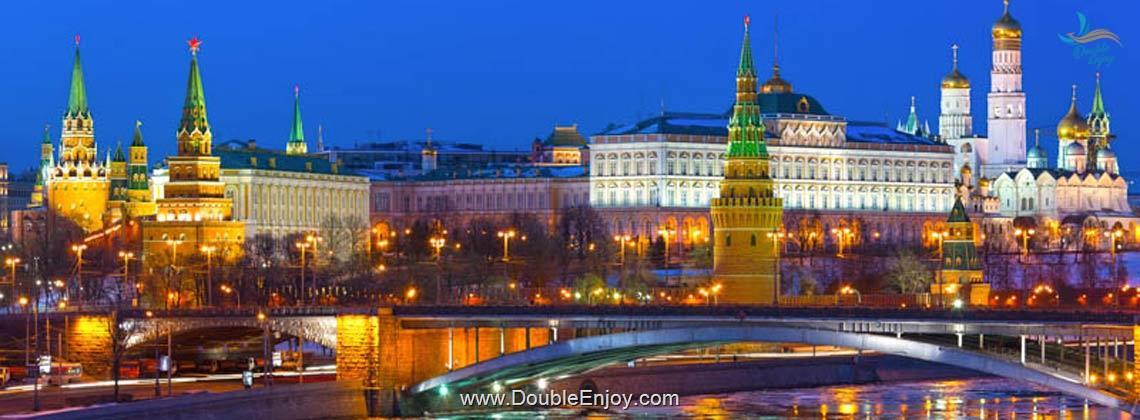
(709, 407)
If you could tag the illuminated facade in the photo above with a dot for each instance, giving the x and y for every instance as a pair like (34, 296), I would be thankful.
(563, 147)
(961, 272)
(194, 208)
(889, 185)
(76, 184)
(747, 209)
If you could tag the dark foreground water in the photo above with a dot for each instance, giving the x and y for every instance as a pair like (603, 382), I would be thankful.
(990, 398)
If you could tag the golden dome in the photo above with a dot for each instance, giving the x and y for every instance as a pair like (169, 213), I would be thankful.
(776, 84)
(1073, 126)
(955, 79)
(966, 171)
(1006, 27)
(984, 183)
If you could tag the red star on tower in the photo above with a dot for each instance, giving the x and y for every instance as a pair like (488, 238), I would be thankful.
(195, 44)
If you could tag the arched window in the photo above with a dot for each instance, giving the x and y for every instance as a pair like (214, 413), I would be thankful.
(753, 240)
(728, 239)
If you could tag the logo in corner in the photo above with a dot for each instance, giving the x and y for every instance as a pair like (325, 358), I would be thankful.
(1085, 43)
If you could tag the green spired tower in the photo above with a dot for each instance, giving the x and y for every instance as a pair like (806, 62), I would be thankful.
(1100, 130)
(747, 213)
(297, 145)
(961, 273)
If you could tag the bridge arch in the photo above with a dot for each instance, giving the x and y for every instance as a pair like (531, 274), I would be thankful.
(317, 329)
(590, 352)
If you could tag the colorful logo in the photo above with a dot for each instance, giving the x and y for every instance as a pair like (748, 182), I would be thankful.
(1086, 46)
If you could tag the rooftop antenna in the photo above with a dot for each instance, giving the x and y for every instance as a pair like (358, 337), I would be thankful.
(320, 137)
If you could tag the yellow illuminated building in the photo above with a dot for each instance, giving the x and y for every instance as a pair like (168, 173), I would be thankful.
(194, 210)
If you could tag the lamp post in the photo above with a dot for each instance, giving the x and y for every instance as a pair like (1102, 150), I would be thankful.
(1113, 236)
(507, 235)
(126, 256)
(11, 262)
(939, 236)
(842, 236)
(303, 246)
(209, 251)
(848, 290)
(78, 250)
(437, 243)
(173, 244)
(1024, 234)
(666, 232)
(776, 237)
(622, 239)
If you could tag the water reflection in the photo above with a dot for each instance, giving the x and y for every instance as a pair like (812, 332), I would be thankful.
(973, 398)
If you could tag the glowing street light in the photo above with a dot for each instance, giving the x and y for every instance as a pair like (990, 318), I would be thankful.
(622, 239)
(438, 242)
(848, 290)
(209, 251)
(1024, 234)
(507, 235)
(78, 250)
(303, 246)
(11, 262)
(127, 256)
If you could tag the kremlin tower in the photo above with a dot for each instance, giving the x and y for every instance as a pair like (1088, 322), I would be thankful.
(77, 185)
(139, 199)
(195, 210)
(296, 144)
(744, 259)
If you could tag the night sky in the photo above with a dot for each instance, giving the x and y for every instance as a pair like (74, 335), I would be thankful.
(504, 72)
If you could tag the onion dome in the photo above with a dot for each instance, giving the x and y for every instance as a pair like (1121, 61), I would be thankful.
(955, 79)
(1038, 152)
(1073, 126)
(984, 183)
(1006, 27)
(1075, 149)
(966, 171)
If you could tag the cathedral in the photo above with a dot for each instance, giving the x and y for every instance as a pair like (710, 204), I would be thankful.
(1069, 205)
(75, 184)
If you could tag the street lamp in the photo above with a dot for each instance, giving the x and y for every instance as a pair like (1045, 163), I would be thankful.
(1113, 236)
(303, 246)
(11, 263)
(939, 236)
(78, 249)
(1024, 234)
(438, 242)
(848, 290)
(126, 256)
(507, 235)
(209, 251)
(776, 237)
(622, 239)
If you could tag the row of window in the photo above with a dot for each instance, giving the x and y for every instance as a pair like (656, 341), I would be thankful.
(787, 168)
(523, 200)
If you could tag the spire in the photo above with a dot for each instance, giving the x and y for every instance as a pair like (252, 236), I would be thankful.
(137, 140)
(746, 129)
(298, 132)
(912, 126)
(47, 134)
(119, 156)
(776, 84)
(1098, 102)
(77, 99)
(194, 109)
(320, 138)
(746, 67)
(776, 46)
(958, 212)
(296, 144)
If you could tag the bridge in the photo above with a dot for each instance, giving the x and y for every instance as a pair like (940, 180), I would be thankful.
(416, 359)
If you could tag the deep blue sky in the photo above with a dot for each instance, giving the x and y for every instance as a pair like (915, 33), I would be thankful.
(503, 72)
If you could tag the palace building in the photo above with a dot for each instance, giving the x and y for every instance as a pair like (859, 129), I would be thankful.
(75, 185)
(880, 183)
(278, 193)
(194, 209)
(747, 209)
